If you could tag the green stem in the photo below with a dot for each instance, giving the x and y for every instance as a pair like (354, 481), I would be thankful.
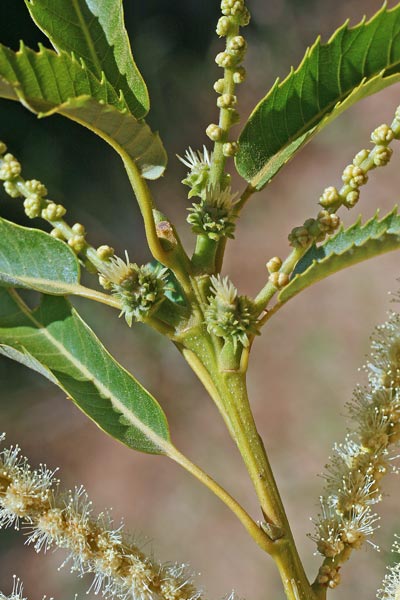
(203, 259)
(251, 526)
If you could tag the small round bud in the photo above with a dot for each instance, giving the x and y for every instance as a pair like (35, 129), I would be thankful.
(237, 44)
(274, 264)
(33, 206)
(360, 157)
(214, 132)
(77, 243)
(239, 75)
(382, 155)
(225, 60)
(105, 283)
(382, 135)
(12, 189)
(330, 197)
(352, 198)
(232, 7)
(328, 222)
(219, 86)
(245, 17)
(234, 116)
(78, 228)
(56, 233)
(105, 252)
(230, 148)
(279, 280)
(53, 211)
(36, 187)
(299, 237)
(354, 176)
(223, 26)
(3, 148)
(9, 167)
(226, 101)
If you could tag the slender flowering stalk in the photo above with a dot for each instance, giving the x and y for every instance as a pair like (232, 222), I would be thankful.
(31, 499)
(353, 475)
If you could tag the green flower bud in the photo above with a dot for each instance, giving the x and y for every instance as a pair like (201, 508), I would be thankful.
(299, 237)
(53, 211)
(214, 132)
(78, 228)
(56, 233)
(237, 44)
(224, 26)
(77, 243)
(105, 252)
(199, 165)
(354, 176)
(228, 315)
(352, 198)
(330, 197)
(360, 157)
(226, 60)
(226, 101)
(36, 187)
(382, 135)
(10, 168)
(382, 155)
(279, 280)
(239, 75)
(12, 189)
(230, 149)
(274, 264)
(33, 206)
(219, 86)
(3, 148)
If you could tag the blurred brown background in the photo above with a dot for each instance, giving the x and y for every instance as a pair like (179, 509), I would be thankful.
(304, 366)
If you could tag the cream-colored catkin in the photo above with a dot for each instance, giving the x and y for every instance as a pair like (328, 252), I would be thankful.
(390, 589)
(354, 472)
(120, 569)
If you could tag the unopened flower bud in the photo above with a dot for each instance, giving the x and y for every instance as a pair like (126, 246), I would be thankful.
(299, 237)
(105, 252)
(33, 206)
(77, 243)
(274, 264)
(352, 198)
(382, 135)
(3, 148)
(239, 75)
(354, 176)
(9, 167)
(56, 233)
(214, 132)
(78, 228)
(236, 44)
(12, 189)
(226, 101)
(36, 187)
(360, 157)
(382, 155)
(230, 149)
(219, 86)
(279, 280)
(330, 197)
(223, 26)
(225, 60)
(53, 211)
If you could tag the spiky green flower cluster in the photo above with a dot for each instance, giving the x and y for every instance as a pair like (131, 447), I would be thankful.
(198, 176)
(140, 289)
(228, 315)
(214, 215)
(354, 473)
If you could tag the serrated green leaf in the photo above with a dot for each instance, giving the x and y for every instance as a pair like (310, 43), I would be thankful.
(54, 340)
(348, 247)
(355, 63)
(94, 31)
(47, 83)
(33, 259)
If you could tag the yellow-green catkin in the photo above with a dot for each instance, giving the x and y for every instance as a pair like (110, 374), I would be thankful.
(30, 498)
(354, 472)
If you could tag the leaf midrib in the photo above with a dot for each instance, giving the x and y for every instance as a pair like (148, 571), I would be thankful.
(87, 36)
(159, 442)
